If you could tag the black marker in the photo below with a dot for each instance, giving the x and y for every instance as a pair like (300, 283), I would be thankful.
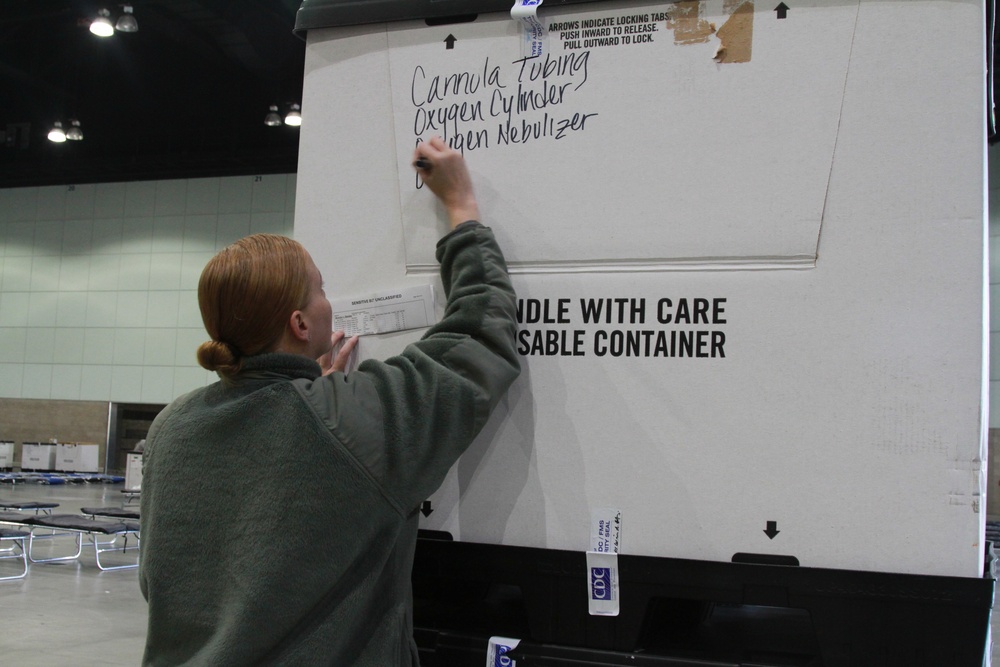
(422, 163)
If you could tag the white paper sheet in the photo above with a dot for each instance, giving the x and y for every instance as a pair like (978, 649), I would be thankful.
(384, 312)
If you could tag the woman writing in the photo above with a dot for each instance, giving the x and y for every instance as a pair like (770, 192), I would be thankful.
(279, 505)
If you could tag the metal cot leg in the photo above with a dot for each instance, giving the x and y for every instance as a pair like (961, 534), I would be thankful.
(16, 538)
(31, 544)
(109, 546)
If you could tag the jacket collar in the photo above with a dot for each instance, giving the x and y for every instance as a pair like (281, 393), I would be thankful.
(277, 366)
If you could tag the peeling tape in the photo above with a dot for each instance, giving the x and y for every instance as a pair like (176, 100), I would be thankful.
(497, 650)
(736, 35)
(533, 33)
(606, 530)
(602, 584)
(688, 25)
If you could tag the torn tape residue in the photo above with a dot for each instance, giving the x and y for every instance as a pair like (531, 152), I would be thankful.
(688, 25)
(736, 35)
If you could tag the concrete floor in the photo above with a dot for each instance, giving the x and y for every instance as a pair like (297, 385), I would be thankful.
(71, 613)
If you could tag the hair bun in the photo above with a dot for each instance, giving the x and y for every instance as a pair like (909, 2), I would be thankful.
(216, 355)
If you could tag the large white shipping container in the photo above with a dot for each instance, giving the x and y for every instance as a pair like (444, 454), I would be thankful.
(38, 456)
(750, 256)
(77, 457)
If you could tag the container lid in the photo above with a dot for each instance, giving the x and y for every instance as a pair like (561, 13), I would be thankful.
(339, 13)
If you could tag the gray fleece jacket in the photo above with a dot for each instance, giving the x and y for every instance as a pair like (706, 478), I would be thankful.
(279, 512)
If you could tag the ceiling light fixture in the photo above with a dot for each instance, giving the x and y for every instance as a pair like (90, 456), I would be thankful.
(56, 134)
(272, 119)
(74, 133)
(101, 26)
(293, 118)
(126, 22)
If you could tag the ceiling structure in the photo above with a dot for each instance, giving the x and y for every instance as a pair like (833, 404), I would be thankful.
(183, 97)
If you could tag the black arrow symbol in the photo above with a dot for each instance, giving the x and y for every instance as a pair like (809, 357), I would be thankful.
(772, 529)
(450, 41)
(782, 10)
(425, 508)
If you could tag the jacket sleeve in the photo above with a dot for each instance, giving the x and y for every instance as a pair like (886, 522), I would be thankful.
(437, 395)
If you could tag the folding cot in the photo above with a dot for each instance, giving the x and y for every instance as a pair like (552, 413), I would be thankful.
(78, 526)
(22, 505)
(122, 513)
(16, 550)
(59, 478)
(130, 496)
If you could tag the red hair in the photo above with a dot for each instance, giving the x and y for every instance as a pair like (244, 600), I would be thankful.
(247, 293)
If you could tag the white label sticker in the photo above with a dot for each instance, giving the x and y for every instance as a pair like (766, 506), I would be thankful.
(606, 531)
(496, 654)
(533, 33)
(602, 583)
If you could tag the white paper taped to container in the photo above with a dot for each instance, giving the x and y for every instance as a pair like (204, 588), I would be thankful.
(602, 583)
(533, 32)
(499, 647)
(385, 312)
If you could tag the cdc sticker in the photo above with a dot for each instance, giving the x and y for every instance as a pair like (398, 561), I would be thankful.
(606, 530)
(533, 35)
(602, 583)
(496, 654)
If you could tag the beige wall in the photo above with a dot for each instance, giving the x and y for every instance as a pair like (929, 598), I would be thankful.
(98, 294)
(26, 420)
